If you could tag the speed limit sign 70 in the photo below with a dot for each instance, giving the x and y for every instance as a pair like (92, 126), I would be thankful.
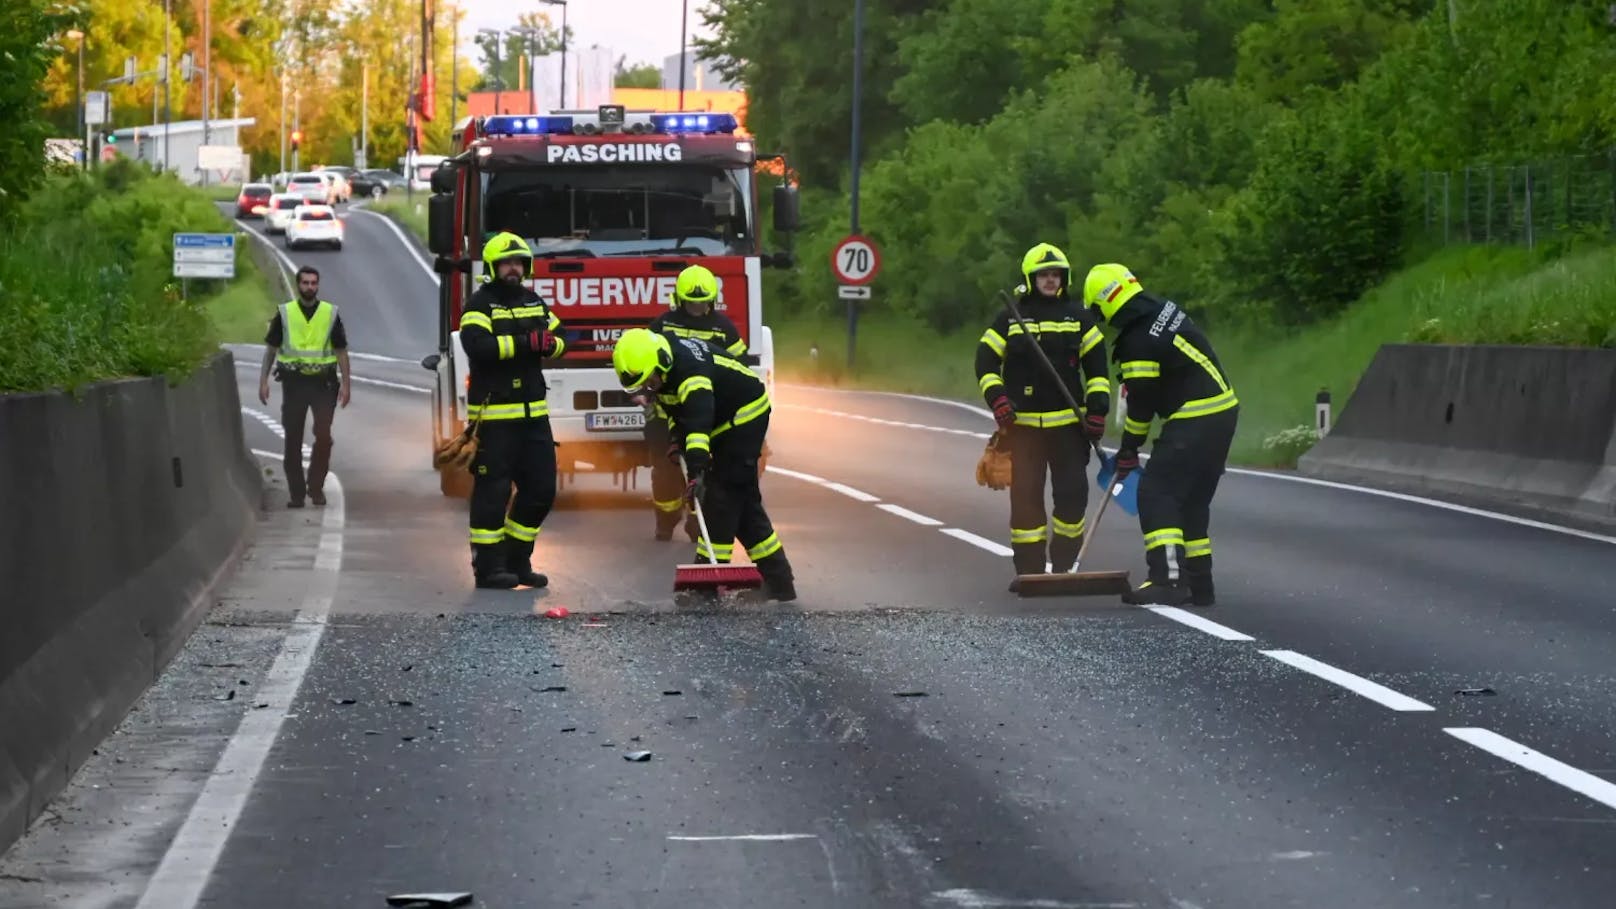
(855, 260)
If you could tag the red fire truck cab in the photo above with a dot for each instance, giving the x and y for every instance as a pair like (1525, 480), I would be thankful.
(614, 204)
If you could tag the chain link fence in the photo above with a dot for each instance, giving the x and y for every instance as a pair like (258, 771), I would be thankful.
(1524, 204)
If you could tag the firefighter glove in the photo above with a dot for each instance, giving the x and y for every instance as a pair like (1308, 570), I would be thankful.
(1127, 461)
(1094, 426)
(541, 342)
(695, 488)
(674, 451)
(1004, 412)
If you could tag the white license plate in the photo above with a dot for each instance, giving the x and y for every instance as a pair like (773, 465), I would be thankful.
(606, 421)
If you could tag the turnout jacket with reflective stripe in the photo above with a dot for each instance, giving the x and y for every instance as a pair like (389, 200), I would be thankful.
(1168, 366)
(715, 328)
(706, 394)
(1069, 335)
(494, 330)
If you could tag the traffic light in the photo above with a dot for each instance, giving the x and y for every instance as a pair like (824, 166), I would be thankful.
(297, 138)
(112, 139)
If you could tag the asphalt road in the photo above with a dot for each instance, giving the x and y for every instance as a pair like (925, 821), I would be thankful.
(907, 734)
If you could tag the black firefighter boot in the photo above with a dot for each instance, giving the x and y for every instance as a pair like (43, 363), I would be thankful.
(1160, 590)
(488, 567)
(778, 581)
(1029, 558)
(519, 562)
(1063, 552)
(1198, 571)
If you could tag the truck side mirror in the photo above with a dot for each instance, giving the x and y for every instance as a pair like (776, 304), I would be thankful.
(785, 209)
(430, 362)
(440, 212)
(443, 180)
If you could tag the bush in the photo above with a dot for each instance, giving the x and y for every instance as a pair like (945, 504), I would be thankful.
(88, 262)
(1288, 445)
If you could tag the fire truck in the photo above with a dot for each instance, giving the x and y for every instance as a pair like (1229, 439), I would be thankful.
(614, 203)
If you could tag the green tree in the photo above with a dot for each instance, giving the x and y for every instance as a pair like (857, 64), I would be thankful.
(30, 36)
(640, 75)
(503, 62)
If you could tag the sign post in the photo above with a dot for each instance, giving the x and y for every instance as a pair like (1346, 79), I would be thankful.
(855, 261)
(204, 256)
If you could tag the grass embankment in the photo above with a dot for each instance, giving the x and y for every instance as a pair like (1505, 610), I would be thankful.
(412, 215)
(86, 286)
(1462, 295)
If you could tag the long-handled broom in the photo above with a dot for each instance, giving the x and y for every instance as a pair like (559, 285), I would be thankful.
(1072, 583)
(713, 575)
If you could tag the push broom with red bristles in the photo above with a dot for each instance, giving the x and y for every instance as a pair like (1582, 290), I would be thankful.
(713, 575)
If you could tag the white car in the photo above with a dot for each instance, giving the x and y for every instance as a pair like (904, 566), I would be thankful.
(282, 208)
(312, 188)
(314, 225)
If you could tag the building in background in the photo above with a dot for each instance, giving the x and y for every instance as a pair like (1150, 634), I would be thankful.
(700, 75)
(145, 143)
(590, 74)
(731, 102)
(481, 104)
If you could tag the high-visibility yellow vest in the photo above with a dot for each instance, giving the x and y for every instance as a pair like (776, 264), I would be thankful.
(306, 342)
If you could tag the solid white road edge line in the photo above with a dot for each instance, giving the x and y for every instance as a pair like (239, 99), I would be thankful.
(182, 876)
(408, 246)
(1579, 781)
(386, 384)
(1380, 694)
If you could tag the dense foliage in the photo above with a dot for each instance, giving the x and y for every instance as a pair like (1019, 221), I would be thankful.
(1256, 158)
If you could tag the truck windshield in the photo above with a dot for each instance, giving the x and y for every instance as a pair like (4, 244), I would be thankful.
(618, 210)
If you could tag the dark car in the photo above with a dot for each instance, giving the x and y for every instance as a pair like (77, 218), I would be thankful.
(254, 200)
(375, 182)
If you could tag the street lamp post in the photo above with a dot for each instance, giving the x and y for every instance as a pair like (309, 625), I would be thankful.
(562, 101)
(853, 183)
(684, 62)
(78, 97)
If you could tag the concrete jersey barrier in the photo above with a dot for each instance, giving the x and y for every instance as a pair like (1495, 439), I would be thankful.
(1525, 430)
(125, 508)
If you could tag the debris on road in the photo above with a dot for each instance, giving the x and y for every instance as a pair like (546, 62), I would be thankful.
(1473, 692)
(402, 703)
(227, 696)
(552, 688)
(637, 756)
(556, 612)
(344, 701)
(672, 692)
(910, 694)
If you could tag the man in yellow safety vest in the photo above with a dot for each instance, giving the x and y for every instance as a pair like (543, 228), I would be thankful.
(304, 347)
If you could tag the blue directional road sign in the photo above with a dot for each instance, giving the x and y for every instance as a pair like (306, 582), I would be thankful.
(204, 255)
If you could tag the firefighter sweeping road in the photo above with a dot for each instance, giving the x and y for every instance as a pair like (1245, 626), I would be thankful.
(905, 734)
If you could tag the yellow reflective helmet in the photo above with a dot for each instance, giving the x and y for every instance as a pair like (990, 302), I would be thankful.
(696, 284)
(1109, 286)
(505, 245)
(638, 353)
(1041, 257)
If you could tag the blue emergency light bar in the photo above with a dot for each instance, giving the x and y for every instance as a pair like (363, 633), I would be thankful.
(563, 125)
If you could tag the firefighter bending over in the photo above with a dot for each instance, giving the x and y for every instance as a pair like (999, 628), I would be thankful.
(508, 331)
(693, 313)
(1172, 373)
(718, 411)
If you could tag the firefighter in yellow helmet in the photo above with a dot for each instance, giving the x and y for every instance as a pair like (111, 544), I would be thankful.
(1045, 437)
(718, 413)
(692, 313)
(508, 332)
(1171, 372)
